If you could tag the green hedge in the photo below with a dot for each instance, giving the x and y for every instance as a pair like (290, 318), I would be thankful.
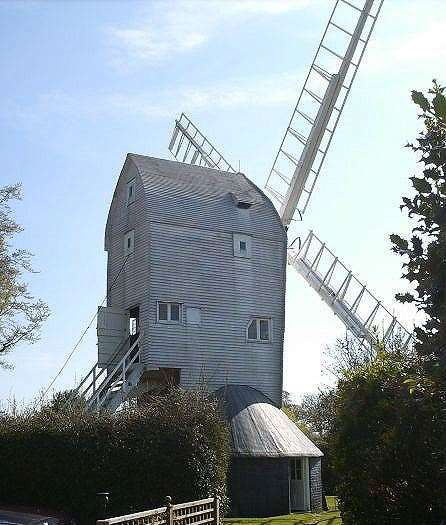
(175, 445)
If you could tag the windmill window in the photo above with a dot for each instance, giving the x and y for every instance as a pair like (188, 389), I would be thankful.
(264, 329)
(169, 312)
(174, 312)
(129, 242)
(162, 312)
(130, 192)
(259, 329)
(252, 330)
(242, 245)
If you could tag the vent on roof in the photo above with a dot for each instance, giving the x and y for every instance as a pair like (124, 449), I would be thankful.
(243, 199)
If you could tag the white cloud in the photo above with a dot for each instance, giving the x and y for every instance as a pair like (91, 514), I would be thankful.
(256, 92)
(175, 27)
(274, 91)
(419, 44)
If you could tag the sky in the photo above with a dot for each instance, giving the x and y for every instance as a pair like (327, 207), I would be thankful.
(86, 82)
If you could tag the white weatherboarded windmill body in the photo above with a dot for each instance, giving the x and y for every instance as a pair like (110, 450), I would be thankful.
(196, 272)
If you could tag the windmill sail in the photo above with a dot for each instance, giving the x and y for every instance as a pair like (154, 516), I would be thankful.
(362, 313)
(314, 120)
(189, 145)
(293, 175)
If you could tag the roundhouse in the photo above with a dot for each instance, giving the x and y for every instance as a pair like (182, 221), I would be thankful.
(275, 469)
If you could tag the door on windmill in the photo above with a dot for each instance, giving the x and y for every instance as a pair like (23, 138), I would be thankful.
(112, 331)
(299, 490)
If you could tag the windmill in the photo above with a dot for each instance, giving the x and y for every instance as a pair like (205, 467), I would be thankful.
(298, 164)
(191, 255)
(128, 356)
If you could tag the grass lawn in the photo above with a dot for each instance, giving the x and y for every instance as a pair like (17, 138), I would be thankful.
(325, 518)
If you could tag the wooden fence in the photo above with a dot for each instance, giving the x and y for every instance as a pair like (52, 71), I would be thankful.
(200, 512)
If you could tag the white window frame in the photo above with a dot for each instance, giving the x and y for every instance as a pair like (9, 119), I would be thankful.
(239, 238)
(257, 339)
(129, 235)
(130, 185)
(169, 306)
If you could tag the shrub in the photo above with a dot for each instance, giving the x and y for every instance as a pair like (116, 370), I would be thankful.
(384, 445)
(174, 445)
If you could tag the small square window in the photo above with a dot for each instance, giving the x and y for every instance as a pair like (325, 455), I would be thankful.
(130, 192)
(129, 242)
(242, 245)
(259, 329)
(169, 312)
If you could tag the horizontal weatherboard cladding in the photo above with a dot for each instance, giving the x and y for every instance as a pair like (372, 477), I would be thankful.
(184, 218)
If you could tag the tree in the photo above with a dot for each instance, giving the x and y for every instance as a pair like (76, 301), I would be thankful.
(383, 445)
(317, 411)
(21, 316)
(425, 251)
(292, 410)
(349, 353)
(389, 437)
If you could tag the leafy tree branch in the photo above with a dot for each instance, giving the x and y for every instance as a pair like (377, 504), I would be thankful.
(21, 315)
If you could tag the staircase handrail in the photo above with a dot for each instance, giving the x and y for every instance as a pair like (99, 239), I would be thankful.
(96, 372)
(109, 381)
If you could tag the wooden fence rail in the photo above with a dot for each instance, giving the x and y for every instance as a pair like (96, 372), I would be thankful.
(200, 512)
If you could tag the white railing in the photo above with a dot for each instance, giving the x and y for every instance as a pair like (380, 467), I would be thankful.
(98, 374)
(362, 313)
(116, 380)
(102, 381)
(200, 512)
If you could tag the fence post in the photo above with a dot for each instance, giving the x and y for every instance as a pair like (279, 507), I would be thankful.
(169, 511)
(216, 509)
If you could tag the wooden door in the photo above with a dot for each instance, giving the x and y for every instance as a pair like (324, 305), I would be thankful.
(112, 330)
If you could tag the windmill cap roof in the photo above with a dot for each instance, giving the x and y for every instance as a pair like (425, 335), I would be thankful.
(201, 178)
(260, 429)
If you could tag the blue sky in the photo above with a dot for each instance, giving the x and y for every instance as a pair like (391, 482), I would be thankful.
(86, 82)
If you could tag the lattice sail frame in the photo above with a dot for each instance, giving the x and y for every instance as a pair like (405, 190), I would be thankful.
(313, 122)
(189, 145)
(361, 312)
